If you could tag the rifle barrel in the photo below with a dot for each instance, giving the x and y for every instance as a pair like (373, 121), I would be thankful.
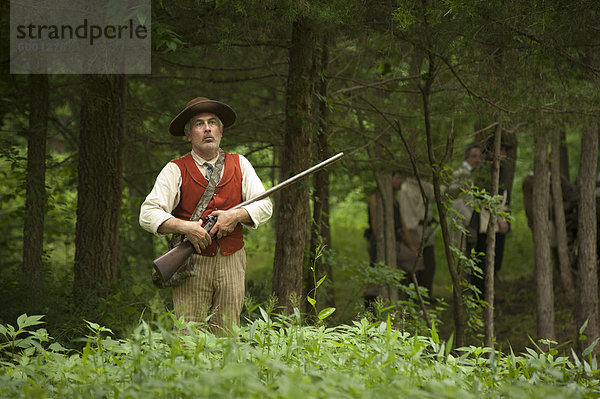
(291, 180)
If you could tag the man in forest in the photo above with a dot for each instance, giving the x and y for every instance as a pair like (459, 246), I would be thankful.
(462, 178)
(483, 180)
(403, 240)
(419, 223)
(207, 181)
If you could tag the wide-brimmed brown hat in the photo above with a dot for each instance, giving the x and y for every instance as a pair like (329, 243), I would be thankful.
(197, 106)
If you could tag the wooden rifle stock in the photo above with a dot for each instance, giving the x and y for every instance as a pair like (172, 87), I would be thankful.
(167, 264)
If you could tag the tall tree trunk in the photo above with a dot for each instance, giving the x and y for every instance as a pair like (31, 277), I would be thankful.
(100, 170)
(491, 245)
(386, 229)
(321, 231)
(541, 239)
(35, 201)
(384, 221)
(564, 156)
(292, 214)
(436, 169)
(560, 227)
(587, 234)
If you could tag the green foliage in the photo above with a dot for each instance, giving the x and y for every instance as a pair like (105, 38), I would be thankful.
(165, 38)
(275, 356)
(324, 313)
(17, 339)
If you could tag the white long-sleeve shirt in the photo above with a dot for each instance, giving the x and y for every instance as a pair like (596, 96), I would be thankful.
(165, 195)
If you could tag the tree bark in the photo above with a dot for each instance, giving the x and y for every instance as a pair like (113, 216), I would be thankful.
(509, 165)
(292, 214)
(491, 246)
(100, 169)
(560, 227)
(321, 231)
(541, 239)
(386, 229)
(35, 201)
(564, 156)
(587, 235)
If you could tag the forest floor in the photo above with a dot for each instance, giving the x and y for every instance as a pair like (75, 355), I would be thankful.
(515, 321)
(516, 313)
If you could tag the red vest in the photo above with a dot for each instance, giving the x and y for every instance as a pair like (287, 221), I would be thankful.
(227, 194)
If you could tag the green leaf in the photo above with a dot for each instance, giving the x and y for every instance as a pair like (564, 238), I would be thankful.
(386, 308)
(449, 344)
(264, 314)
(3, 330)
(252, 331)
(320, 281)
(434, 334)
(325, 313)
(388, 325)
(312, 301)
(583, 327)
(590, 348)
(56, 347)
(92, 326)
(25, 321)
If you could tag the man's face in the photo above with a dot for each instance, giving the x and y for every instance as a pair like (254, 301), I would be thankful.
(205, 133)
(503, 154)
(474, 158)
(396, 181)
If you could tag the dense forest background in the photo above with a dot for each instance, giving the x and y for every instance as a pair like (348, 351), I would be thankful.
(398, 86)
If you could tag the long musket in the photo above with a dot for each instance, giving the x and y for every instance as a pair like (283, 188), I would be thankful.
(167, 264)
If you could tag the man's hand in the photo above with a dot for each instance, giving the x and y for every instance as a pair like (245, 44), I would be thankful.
(228, 220)
(414, 248)
(194, 232)
(503, 226)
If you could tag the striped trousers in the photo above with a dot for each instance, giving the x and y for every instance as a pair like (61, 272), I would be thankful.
(216, 291)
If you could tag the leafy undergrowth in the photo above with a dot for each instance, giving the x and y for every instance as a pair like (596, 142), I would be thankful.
(277, 357)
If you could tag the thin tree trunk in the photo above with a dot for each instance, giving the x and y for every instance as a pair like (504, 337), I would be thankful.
(425, 199)
(509, 165)
(35, 201)
(587, 235)
(541, 239)
(100, 169)
(564, 156)
(292, 215)
(560, 227)
(491, 246)
(321, 232)
(436, 168)
(386, 229)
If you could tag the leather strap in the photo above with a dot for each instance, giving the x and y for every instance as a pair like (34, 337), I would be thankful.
(210, 189)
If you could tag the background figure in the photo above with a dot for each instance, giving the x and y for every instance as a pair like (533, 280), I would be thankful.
(461, 179)
(412, 209)
(402, 237)
(483, 180)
